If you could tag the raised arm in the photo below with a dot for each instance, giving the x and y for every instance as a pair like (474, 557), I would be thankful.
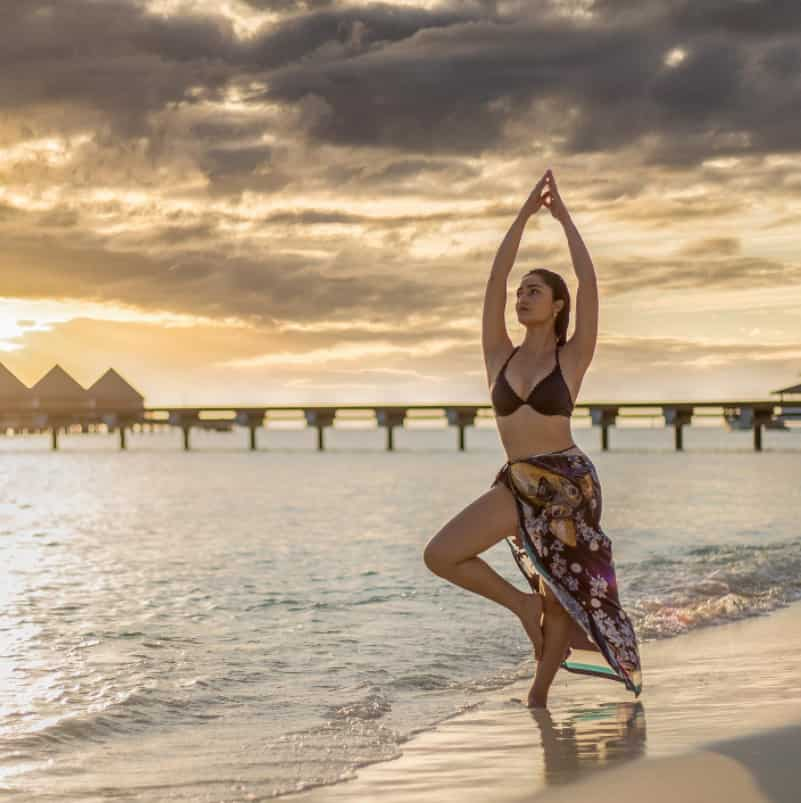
(494, 336)
(585, 334)
(495, 340)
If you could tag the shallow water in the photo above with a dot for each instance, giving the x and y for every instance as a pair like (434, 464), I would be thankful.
(220, 624)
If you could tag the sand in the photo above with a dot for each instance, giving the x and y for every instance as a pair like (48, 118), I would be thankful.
(719, 718)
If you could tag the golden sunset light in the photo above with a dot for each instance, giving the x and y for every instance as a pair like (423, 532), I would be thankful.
(400, 400)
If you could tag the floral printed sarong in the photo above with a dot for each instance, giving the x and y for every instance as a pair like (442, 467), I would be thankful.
(559, 537)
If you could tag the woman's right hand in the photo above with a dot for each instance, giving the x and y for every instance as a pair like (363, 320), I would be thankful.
(536, 199)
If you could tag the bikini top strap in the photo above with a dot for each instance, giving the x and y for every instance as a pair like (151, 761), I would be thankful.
(503, 367)
(511, 355)
(503, 370)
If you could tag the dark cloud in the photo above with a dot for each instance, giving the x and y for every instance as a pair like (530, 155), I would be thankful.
(783, 60)
(453, 88)
(448, 81)
(222, 129)
(708, 82)
(742, 17)
(111, 57)
(444, 90)
(327, 37)
(227, 161)
(351, 284)
(379, 102)
(289, 6)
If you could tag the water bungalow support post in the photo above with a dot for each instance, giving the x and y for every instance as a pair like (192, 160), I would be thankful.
(678, 415)
(184, 419)
(113, 421)
(461, 417)
(604, 417)
(125, 424)
(252, 420)
(390, 417)
(45, 421)
(761, 415)
(42, 421)
(320, 418)
(56, 423)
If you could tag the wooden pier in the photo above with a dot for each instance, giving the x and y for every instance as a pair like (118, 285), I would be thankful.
(758, 414)
(58, 403)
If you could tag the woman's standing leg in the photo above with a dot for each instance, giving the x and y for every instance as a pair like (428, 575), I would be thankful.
(452, 554)
(557, 627)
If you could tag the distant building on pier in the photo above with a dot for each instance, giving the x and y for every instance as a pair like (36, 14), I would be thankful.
(111, 391)
(57, 391)
(12, 392)
(57, 397)
(794, 389)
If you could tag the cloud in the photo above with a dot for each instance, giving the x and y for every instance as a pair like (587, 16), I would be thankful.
(288, 6)
(197, 365)
(213, 283)
(351, 285)
(412, 79)
(111, 60)
(358, 164)
(699, 267)
(712, 246)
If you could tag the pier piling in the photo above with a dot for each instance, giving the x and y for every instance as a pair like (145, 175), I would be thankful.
(461, 417)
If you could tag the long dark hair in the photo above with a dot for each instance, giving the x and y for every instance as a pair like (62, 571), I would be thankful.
(560, 291)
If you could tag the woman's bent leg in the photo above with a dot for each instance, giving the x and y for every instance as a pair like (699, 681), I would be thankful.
(452, 552)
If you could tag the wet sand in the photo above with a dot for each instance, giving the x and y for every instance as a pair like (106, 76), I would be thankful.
(730, 688)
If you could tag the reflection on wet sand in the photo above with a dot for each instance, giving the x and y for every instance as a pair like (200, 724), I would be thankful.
(583, 740)
(501, 751)
(732, 679)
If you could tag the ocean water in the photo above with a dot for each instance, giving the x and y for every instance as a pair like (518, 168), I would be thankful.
(222, 625)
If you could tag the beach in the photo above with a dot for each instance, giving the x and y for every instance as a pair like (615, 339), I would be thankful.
(162, 638)
(708, 723)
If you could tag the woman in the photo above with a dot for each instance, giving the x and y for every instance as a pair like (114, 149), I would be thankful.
(546, 499)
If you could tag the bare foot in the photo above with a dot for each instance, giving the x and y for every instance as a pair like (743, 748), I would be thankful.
(530, 613)
(535, 701)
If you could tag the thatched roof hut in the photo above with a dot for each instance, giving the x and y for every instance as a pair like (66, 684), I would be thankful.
(57, 390)
(13, 393)
(112, 392)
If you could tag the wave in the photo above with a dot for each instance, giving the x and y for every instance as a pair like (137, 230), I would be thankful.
(128, 713)
(709, 584)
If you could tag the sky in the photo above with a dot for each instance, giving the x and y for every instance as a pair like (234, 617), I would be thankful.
(299, 202)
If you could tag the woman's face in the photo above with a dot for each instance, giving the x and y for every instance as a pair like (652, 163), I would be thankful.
(534, 300)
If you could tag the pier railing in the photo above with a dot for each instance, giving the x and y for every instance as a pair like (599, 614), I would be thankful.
(752, 415)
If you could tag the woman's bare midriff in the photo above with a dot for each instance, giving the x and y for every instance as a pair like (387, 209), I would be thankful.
(526, 432)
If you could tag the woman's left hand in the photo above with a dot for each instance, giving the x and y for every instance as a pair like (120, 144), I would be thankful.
(553, 201)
